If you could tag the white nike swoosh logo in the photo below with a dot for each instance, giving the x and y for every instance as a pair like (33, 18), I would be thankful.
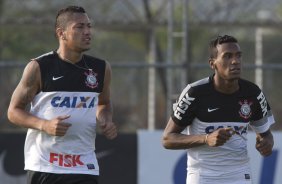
(210, 110)
(56, 78)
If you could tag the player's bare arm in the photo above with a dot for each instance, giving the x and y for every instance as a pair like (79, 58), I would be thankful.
(105, 110)
(26, 90)
(264, 143)
(174, 139)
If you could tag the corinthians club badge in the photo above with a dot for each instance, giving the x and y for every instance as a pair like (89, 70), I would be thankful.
(245, 110)
(91, 80)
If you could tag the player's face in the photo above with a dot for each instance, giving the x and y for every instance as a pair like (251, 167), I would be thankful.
(78, 32)
(227, 65)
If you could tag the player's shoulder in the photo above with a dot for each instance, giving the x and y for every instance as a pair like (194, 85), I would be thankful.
(200, 87)
(95, 62)
(249, 87)
(93, 59)
(46, 56)
(47, 59)
(202, 83)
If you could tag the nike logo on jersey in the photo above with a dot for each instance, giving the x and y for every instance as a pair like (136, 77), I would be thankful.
(211, 110)
(56, 78)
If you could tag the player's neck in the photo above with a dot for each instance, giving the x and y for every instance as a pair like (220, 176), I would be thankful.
(71, 57)
(226, 86)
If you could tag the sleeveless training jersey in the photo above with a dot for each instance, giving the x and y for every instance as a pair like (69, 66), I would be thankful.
(67, 89)
(203, 110)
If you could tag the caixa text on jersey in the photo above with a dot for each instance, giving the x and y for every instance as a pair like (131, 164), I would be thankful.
(74, 102)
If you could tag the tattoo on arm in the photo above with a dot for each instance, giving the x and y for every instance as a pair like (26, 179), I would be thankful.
(29, 86)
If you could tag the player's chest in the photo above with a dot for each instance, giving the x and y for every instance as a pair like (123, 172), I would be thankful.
(226, 109)
(73, 80)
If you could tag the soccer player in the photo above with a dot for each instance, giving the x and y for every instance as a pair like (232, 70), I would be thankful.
(67, 90)
(216, 111)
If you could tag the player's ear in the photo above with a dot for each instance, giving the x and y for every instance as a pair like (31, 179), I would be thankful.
(60, 33)
(212, 63)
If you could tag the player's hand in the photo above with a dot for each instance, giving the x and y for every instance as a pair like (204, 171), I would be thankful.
(56, 126)
(109, 129)
(264, 145)
(219, 137)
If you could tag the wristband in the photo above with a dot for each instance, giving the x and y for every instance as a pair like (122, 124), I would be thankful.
(206, 138)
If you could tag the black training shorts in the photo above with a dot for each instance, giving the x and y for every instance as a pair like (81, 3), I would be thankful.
(34, 177)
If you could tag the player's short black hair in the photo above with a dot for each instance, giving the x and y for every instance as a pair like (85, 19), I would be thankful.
(217, 41)
(63, 14)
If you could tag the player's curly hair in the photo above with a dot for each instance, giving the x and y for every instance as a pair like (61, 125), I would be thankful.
(217, 41)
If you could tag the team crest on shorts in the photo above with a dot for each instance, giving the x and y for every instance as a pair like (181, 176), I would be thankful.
(245, 110)
(91, 80)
